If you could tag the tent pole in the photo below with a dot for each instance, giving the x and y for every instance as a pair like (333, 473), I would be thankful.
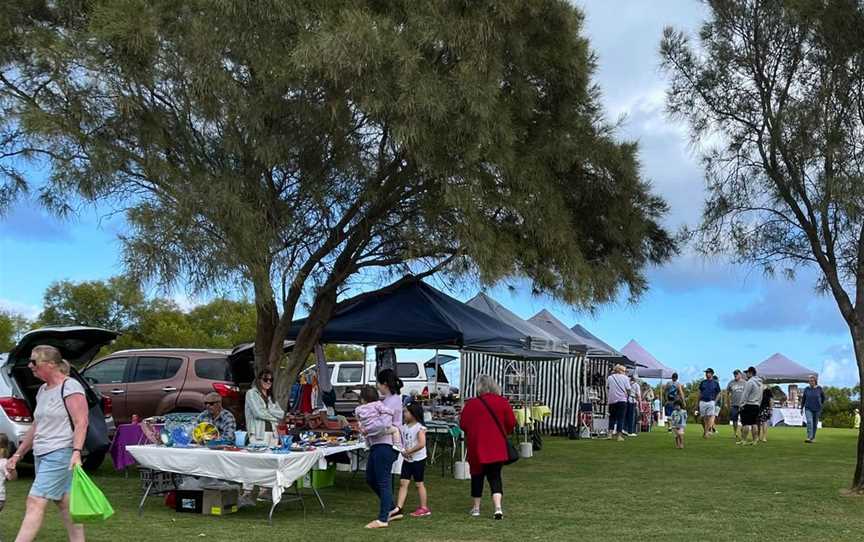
(363, 373)
(435, 400)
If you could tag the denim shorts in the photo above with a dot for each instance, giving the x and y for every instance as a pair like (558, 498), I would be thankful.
(53, 477)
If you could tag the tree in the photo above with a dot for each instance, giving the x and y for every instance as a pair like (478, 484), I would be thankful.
(12, 326)
(120, 305)
(775, 90)
(114, 304)
(292, 147)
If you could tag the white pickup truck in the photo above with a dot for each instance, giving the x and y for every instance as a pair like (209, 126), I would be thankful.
(418, 378)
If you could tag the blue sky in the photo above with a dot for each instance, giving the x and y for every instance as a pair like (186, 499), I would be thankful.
(698, 313)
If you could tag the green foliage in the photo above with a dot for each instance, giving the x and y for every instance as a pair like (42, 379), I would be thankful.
(120, 305)
(295, 146)
(12, 326)
(341, 352)
(839, 409)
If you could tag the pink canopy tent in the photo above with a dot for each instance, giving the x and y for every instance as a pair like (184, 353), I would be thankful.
(650, 366)
(779, 369)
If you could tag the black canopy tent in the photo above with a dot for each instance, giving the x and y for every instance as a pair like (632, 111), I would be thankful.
(411, 314)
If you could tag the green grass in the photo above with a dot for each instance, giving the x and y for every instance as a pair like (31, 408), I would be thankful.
(642, 489)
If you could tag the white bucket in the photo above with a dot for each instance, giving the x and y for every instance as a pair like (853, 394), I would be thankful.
(461, 470)
(526, 450)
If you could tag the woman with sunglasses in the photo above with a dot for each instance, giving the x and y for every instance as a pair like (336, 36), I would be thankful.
(262, 412)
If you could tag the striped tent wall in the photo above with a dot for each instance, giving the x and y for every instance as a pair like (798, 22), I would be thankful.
(558, 384)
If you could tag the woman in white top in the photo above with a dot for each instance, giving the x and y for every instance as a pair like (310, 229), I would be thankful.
(56, 447)
(262, 415)
(262, 412)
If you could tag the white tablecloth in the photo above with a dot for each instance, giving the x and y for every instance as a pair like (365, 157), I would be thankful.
(277, 471)
(787, 416)
(332, 450)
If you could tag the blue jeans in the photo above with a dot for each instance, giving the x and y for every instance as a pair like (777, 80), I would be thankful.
(378, 476)
(617, 415)
(812, 417)
(630, 422)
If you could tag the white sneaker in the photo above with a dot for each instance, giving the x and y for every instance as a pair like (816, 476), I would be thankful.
(632, 434)
(475, 512)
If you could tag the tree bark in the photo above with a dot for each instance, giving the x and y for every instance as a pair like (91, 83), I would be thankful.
(858, 343)
(266, 322)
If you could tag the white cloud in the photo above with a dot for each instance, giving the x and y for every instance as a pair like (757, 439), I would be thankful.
(185, 302)
(28, 311)
(839, 368)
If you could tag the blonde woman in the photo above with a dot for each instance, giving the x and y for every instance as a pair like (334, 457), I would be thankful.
(56, 447)
(617, 392)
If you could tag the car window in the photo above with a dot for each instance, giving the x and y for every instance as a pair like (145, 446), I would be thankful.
(155, 368)
(407, 370)
(109, 371)
(349, 374)
(430, 374)
(213, 369)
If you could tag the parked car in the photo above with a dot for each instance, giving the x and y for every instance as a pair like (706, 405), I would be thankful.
(418, 378)
(156, 381)
(18, 384)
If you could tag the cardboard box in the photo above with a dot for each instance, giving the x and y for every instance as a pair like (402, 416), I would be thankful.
(219, 503)
(189, 502)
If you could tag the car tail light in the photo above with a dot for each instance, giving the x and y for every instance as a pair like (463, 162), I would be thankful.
(227, 390)
(16, 409)
(107, 406)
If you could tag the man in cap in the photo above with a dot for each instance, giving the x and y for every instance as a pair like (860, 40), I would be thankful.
(709, 390)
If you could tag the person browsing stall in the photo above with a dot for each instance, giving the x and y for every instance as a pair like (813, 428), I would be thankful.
(487, 419)
(672, 392)
(61, 405)
(750, 409)
(617, 393)
(709, 391)
(381, 453)
(414, 462)
(221, 418)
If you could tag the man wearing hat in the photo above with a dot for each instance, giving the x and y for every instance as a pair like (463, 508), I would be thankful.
(220, 417)
(709, 390)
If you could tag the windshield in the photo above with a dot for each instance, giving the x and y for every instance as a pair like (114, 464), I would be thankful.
(430, 375)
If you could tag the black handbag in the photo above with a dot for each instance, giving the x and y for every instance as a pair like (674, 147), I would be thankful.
(512, 453)
(97, 440)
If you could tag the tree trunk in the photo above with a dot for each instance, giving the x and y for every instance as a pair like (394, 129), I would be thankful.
(310, 333)
(265, 326)
(858, 343)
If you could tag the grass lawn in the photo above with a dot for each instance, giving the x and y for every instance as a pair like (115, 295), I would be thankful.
(642, 489)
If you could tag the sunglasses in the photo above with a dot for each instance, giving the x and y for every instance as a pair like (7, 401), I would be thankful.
(32, 362)
(211, 403)
(266, 380)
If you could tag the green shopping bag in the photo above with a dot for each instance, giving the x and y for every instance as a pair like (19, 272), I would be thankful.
(87, 503)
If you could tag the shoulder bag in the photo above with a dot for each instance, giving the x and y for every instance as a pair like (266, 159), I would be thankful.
(96, 440)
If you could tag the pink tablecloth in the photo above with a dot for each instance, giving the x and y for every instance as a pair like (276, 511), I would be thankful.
(128, 434)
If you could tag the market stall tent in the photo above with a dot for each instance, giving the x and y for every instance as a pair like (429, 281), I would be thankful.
(597, 347)
(778, 369)
(539, 339)
(412, 314)
(650, 367)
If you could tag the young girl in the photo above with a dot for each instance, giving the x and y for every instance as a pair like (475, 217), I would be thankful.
(414, 464)
(679, 423)
(375, 418)
(4, 453)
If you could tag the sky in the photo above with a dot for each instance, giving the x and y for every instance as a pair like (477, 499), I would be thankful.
(698, 313)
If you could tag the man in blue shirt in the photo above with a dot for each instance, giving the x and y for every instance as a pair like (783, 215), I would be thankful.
(709, 390)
